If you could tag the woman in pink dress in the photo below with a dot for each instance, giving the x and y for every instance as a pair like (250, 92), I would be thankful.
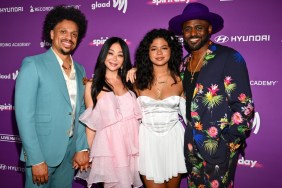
(111, 118)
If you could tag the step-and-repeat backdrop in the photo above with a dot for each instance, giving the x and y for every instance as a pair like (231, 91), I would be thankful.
(253, 27)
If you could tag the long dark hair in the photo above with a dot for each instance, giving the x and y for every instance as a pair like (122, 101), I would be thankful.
(99, 82)
(144, 74)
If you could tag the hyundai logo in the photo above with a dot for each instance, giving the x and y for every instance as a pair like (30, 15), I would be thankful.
(3, 167)
(221, 39)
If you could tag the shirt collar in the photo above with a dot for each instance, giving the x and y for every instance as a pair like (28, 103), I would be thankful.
(60, 60)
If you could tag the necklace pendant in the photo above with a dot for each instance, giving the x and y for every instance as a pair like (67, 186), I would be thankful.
(158, 93)
(192, 78)
(66, 68)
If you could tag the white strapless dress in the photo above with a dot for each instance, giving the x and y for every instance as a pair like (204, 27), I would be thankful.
(161, 138)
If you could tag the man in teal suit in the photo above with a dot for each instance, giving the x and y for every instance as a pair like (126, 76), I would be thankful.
(48, 101)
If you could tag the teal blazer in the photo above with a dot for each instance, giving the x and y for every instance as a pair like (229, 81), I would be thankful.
(43, 110)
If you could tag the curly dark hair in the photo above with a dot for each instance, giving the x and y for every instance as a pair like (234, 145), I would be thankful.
(144, 73)
(99, 82)
(60, 13)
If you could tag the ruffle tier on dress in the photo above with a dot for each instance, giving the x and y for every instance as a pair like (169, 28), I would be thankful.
(115, 150)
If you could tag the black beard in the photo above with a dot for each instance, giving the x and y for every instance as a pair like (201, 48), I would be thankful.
(190, 48)
(66, 53)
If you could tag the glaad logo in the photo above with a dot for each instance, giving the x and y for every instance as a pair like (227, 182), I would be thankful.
(10, 138)
(119, 4)
(15, 75)
(101, 41)
(157, 2)
(43, 44)
(9, 76)
(249, 163)
(242, 38)
(11, 168)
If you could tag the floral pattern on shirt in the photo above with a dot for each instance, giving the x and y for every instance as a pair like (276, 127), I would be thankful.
(222, 110)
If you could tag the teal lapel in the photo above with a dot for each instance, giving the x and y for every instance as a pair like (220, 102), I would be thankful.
(80, 87)
(55, 71)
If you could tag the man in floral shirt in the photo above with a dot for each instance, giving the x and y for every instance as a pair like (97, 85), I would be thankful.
(219, 99)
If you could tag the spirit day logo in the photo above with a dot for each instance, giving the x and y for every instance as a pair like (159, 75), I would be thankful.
(249, 163)
(158, 2)
(100, 41)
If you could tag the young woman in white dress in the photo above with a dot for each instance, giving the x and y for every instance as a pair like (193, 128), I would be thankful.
(159, 89)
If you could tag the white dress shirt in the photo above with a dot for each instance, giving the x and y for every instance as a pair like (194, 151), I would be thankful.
(72, 89)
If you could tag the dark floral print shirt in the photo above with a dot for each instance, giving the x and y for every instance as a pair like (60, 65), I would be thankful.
(222, 108)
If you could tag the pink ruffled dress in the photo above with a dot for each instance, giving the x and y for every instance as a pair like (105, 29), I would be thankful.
(115, 148)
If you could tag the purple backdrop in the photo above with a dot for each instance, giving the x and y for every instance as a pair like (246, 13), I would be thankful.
(252, 27)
